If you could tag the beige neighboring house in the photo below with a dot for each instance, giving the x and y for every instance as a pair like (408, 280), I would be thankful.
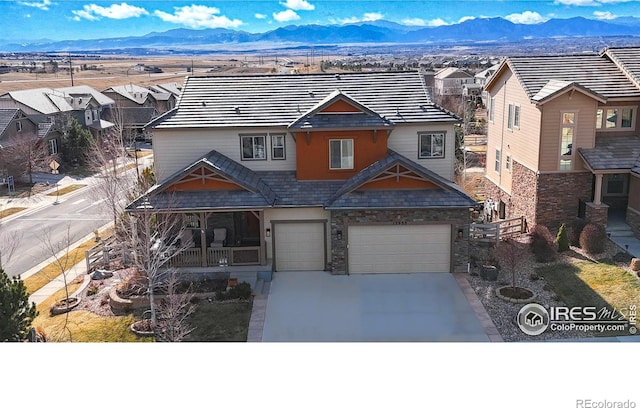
(563, 138)
(451, 81)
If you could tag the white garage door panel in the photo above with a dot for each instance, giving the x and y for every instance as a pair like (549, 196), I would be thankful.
(399, 248)
(299, 247)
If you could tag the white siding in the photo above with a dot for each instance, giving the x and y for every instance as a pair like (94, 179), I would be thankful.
(174, 150)
(404, 140)
(289, 214)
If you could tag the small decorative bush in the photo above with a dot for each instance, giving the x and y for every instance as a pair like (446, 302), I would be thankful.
(562, 239)
(92, 290)
(577, 226)
(593, 238)
(543, 244)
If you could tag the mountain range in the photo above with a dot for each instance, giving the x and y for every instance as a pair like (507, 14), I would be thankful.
(377, 32)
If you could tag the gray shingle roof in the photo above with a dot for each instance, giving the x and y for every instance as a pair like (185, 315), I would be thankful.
(6, 116)
(555, 87)
(282, 189)
(315, 119)
(613, 152)
(448, 195)
(628, 59)
(592, 71)
(279, 100)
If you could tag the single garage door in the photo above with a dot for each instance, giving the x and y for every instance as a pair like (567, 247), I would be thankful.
(299, 246)
(399, 248)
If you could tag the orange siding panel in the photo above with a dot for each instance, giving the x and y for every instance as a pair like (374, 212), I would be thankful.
(312, 159)
(401, 183)
(340, 106)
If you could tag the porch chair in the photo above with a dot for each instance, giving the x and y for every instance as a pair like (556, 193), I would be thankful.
(219, 236)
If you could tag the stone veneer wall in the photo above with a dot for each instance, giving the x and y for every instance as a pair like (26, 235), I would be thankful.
(633, 219)
(596, 214)
(559, 196)
(341, 219)
(522, 201)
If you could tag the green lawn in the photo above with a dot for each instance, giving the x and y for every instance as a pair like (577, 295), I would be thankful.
(598, 284)
(226, 321)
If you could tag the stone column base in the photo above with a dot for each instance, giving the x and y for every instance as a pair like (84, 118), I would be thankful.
(596, 213)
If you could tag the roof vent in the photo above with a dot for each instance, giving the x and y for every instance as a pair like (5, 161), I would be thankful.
(311, 94)
(237, 109)
(337, 76)
(204, 103)
(397, 111)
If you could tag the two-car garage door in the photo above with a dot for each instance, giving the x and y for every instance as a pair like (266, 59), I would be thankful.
(399, 248)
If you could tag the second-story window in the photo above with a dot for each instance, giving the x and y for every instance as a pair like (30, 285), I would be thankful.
(492, 108)
(498, 163)
(510, 117)
(516, 116)
(277, 147)
(566, 140)
(341, 154)
(253, 147)
(620, 118)
(431, 145)
(19, 126)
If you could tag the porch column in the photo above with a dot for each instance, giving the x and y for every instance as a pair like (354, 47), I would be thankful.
(263, 260)
(203, 238)
(597, 194)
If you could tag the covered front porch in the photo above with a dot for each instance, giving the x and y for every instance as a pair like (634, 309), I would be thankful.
(221, 239)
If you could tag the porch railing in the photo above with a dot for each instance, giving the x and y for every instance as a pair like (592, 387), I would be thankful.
(224, 256)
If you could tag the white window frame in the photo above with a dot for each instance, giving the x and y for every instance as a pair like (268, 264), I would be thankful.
(564, 157)
(53, 146)
(492, 109)
(278, 156)
(507, 163)
(516, 116)
(601, 123)
(510, 117)
(346, 160)
(433, 153)
(255, 150)
(498, 163)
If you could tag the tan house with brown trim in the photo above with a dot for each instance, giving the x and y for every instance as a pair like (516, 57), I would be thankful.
(347, 173)
(563, 138)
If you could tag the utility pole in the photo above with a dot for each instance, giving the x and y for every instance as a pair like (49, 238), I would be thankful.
(71, 69)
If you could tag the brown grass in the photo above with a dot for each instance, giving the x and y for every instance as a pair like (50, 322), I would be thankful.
(10, 211)
(67, 189)
(52, 271)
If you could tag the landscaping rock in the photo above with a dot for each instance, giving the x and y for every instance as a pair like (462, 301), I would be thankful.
(635, 264)
(101, 274)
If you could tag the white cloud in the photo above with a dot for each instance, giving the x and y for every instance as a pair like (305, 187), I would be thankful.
(526, 17)
(287, 15)
(466, 18)
(365, 17)
(42, 5)
(260, 16)
(114, 11)
(198, 17)
(604, 15)
(414, 22)
(437, 22)
(298, 5)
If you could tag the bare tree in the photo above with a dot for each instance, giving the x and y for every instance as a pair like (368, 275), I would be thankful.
(174, 311)
(510, 255)
(63, 261)
(155, 238)
(25, 154)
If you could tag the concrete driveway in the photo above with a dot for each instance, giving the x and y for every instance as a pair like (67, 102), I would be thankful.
(319, 307)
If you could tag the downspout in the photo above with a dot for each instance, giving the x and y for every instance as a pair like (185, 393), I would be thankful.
(504, 105)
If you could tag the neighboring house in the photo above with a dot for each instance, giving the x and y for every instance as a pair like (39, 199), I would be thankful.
(481, 79)
(134, 107)
(450, 81)
(349, 173)
(563, 138)
(166, 95)
(58, 106)
(13, 124)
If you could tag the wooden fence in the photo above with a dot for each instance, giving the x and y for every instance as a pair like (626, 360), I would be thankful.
(494, 231)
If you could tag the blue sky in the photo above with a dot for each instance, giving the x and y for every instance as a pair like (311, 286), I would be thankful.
(86, 19)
